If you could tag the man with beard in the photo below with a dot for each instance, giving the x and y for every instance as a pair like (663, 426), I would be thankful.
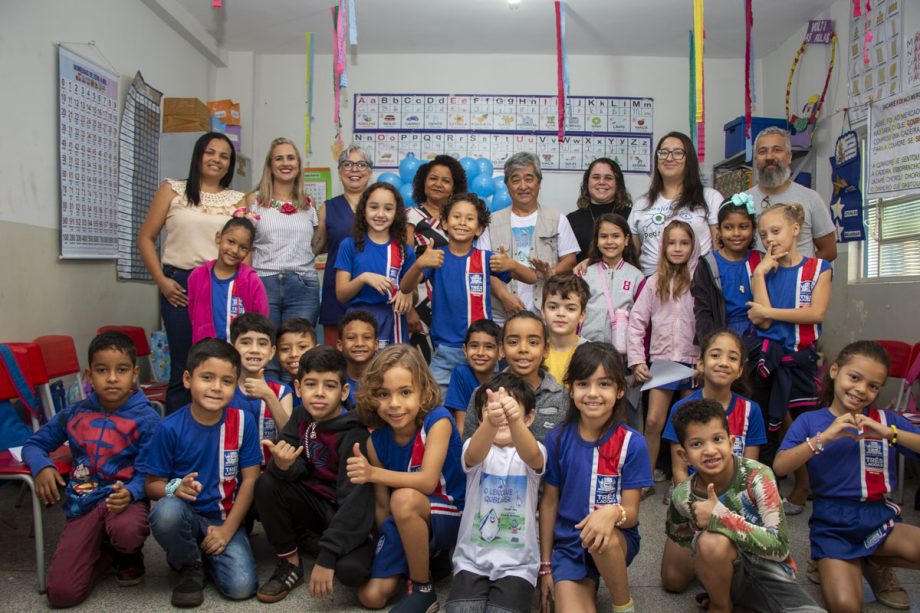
(772, 159)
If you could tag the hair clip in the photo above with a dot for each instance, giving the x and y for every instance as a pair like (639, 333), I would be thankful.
(745, 200)
(245, 212)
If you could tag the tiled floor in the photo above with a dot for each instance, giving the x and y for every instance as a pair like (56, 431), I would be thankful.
(18, 586)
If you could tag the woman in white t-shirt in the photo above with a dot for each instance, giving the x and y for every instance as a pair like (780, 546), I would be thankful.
(676, 192)
(285, 222)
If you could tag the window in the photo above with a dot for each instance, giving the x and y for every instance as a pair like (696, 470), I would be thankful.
(892, 245)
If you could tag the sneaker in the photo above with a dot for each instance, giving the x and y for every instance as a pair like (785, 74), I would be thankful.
(885, 585)
(285, 578)
(420, 599)
(129, 568)
(791, 508)
(659, 475)
(812, 572)
(189, 591)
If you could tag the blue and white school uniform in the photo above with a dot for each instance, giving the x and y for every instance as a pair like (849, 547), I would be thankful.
(261, 413)
(736, 289)
(389, 260)
(745, 422)
(446, 500)
(589, 475)
(463, 384)
(461, 295)
(851, 480)
(791, 287)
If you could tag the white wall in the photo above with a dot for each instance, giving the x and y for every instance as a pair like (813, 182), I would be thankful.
(859, 310)
(280, 98)
(41, 294)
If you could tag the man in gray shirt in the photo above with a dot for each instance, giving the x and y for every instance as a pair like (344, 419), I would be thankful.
(772, 161)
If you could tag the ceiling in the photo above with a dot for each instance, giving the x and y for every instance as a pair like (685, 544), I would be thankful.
(593, 27)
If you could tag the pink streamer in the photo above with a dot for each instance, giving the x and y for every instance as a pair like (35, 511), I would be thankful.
(866, 59)
(217, 4)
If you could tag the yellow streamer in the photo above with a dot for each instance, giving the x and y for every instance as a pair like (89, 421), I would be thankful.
(698, 36)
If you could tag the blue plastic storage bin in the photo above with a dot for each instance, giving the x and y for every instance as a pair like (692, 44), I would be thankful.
(734, 132)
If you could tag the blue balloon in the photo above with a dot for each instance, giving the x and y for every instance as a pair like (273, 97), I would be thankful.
(500, 199)
(484, 186)
(485, 166)
(391, 178)
(408, 167)
(406, 192)
(471, 168)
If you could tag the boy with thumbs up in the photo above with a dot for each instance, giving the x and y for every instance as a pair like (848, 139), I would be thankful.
(104, 499)
(268, 401)
(306, 487)
(728, 518)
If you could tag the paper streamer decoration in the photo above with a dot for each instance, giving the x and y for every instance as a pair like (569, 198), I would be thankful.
(562, 66)
(339, 78)
(308, 118)
(868, 39)
(699, 34)
(748, 79)
(352, 24)
(216, 4)
(692, 89)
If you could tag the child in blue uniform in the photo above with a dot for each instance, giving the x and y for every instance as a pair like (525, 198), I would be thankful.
(460, 279)
(268, 401)
(595, 469)
(721, 285)
(791, 295)
(413, 460)
(201, 467)
(850, 450)
(482, 349)
(358, 343)
(371, 264)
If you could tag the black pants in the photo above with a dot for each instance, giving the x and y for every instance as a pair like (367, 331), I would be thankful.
(179, 335)
(289, 512)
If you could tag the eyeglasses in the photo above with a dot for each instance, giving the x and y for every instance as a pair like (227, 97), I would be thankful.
(349, 165)
(676, 154)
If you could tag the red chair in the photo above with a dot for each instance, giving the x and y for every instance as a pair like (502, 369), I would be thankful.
(12, 469)
(29, 357)
(59, 355)
(154, 390)
(900, 354)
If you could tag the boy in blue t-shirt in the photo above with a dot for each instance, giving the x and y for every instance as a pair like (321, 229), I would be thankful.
(104, 498)
(201, 468)
(268, 401)
(295, 337)
(460, 279)
(482, 350)
(358, 343)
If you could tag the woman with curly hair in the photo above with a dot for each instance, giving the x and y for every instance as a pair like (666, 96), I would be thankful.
(603, 191)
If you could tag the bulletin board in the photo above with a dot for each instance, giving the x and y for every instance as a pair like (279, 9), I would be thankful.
(881, 77)
(390, 126)
(88, 157)
(894, 147)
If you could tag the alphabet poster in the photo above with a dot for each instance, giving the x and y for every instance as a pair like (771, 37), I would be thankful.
(390, 126)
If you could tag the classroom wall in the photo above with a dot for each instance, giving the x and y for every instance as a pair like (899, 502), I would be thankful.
(280, 106)
(859, 310)
(39, 293)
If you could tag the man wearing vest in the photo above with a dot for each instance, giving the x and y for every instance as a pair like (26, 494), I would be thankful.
(526, 235)
(772, 161)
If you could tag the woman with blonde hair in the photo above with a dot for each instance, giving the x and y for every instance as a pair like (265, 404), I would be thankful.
(285, 221)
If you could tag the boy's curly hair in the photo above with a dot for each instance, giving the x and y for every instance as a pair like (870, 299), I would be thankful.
(407, 357)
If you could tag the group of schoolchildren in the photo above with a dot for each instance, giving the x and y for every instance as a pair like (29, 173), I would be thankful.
(521, 476)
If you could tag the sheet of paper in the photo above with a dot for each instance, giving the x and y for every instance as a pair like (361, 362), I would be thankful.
(16, 452)
(664, 372)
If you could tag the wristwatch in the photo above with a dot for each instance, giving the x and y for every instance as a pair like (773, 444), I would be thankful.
(172, 486)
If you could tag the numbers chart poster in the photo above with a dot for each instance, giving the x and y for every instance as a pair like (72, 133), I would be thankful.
(390, 126)
(88, 152)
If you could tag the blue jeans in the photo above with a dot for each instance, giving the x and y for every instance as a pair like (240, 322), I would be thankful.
(179, 335)
(292, 295)
(443, 361)
(179, 530)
